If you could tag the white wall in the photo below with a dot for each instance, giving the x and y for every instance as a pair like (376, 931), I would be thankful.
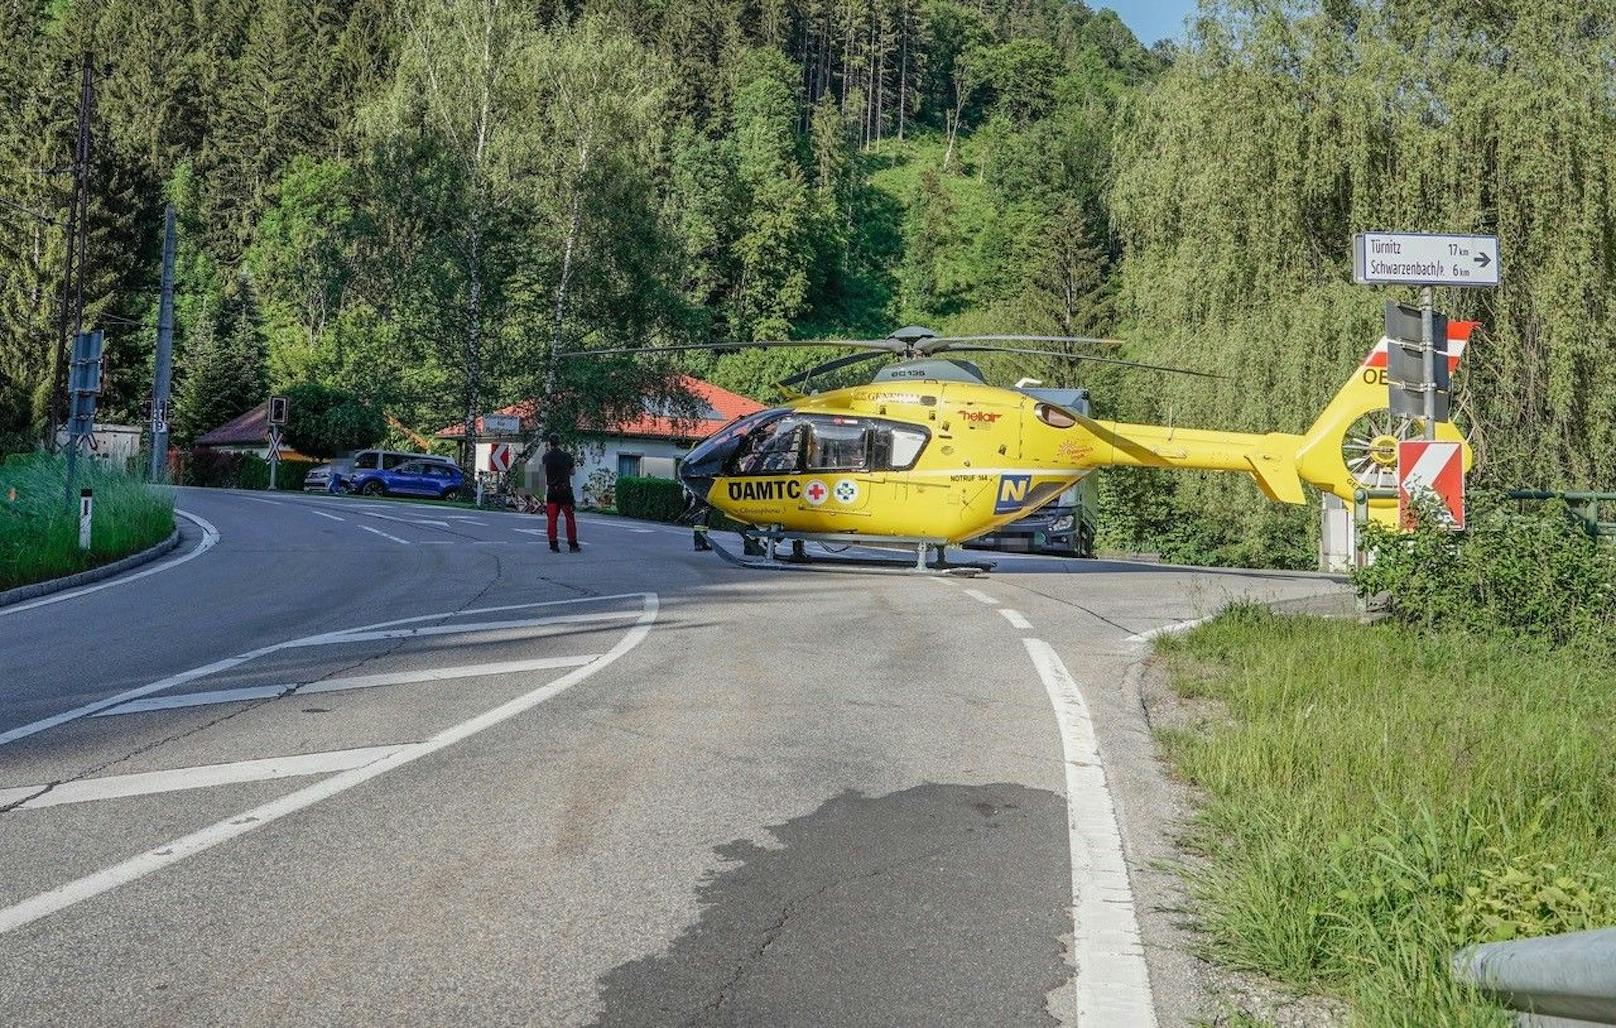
(657, 459)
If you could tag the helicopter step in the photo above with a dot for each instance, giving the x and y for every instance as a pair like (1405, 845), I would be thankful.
(761, 549)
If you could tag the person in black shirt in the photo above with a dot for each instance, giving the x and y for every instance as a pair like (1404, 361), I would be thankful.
(558, 499)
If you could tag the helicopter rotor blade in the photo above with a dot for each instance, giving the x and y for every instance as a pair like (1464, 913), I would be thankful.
(940, 343)
(833, 364)
(882, 345)
(971, 348)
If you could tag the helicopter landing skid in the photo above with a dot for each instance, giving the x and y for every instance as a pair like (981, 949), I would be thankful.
(761, 551)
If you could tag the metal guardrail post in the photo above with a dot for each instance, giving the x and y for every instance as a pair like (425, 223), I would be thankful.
(1558, 981)
(1585, 504)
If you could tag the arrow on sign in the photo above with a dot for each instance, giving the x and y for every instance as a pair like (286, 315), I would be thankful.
(1483, 260)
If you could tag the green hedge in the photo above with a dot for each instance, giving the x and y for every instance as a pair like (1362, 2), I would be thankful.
(653, 499)
(223, 470)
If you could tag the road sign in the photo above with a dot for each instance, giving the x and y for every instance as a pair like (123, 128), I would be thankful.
(1406, 382)
(277, 410)
(501, 424)
(1421, 259)
(1431, 467)
(274, 453)
(499, 457)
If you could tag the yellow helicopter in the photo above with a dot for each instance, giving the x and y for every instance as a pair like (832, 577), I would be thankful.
(929, 454)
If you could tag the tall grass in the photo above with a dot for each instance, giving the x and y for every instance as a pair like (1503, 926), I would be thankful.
(39, 532)
(1375, 798)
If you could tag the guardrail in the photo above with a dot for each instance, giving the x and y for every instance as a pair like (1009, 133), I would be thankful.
(1586, 506)
(1557, 981)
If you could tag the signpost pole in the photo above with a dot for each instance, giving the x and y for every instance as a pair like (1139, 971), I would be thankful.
(1428, 359)
(274, 454)
(165, 346)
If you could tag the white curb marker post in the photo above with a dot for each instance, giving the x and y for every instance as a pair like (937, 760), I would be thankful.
(86, 507)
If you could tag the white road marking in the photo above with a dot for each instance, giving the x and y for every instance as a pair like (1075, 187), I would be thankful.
(981, 597)
(1015, 618)
(225, 664)
(428, 521)
(323, 514)
(460, 628)
(47, 903)
(1172, 629)
(1113, 983)
(260, 499)
(534, 531)
(195, 699)
(467, 520)
(201, 777)
(210, 536)
(612, 524)
(390, 517)
(384, 535)
(437, 674)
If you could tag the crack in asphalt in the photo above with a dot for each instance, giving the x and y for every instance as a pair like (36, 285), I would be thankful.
(792, 909)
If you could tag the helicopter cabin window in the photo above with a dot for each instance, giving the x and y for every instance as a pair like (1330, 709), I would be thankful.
(772, 449)
(905, 446)
(838, 444)
(862, 444)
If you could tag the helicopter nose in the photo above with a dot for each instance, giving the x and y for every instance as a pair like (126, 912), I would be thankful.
(699, 470)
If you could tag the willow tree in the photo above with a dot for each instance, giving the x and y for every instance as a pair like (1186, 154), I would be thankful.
(1283, 128)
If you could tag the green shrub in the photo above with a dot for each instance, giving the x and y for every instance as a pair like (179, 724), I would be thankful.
(1532, 570)
(39, 529)
(653, 499)
(252, 472)
(292, 473)
(1214, 520)
(219, 469)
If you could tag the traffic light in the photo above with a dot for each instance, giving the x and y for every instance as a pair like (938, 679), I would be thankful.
(277, 410)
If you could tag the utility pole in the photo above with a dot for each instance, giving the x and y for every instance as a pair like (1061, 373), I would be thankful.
(165, 355)
(74, 252)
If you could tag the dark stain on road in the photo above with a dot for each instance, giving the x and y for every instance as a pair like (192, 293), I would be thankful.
(936, 905)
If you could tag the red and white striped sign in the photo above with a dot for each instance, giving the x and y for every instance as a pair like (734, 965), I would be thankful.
(1458, 336)
(1437, 467)
(499, 457)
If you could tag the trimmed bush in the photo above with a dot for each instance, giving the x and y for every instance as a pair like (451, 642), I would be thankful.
(222, 470)
(653, 499)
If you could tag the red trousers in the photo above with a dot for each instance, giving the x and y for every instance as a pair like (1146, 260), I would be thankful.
(550, 512)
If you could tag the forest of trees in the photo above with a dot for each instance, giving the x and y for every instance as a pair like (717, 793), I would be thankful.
(422, 201)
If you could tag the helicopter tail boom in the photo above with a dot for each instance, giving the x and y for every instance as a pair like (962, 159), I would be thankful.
(1325, 456)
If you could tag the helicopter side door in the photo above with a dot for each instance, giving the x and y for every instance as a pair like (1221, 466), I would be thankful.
(841, 473)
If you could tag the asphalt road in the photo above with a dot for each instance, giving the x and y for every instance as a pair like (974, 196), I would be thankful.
(366, 763)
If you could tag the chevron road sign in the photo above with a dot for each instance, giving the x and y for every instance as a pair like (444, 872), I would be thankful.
(1436, 467)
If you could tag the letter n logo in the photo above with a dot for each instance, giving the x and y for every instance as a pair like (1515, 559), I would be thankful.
(1012, 493)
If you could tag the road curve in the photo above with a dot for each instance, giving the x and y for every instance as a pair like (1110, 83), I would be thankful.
(367, 762)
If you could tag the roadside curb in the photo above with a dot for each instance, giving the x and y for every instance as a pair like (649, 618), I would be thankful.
(56, 585)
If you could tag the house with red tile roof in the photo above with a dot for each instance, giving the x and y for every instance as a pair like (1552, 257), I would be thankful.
(245, 433)
(651, 444)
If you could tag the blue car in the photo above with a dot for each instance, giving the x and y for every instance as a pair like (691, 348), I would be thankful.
(435, 478)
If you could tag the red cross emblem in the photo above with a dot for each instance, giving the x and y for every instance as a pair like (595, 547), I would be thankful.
(816, 492)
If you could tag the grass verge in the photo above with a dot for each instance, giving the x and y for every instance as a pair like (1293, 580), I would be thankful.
(39, 533)
(1374, 797)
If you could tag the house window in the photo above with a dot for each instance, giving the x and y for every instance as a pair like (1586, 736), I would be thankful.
(628, 465)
